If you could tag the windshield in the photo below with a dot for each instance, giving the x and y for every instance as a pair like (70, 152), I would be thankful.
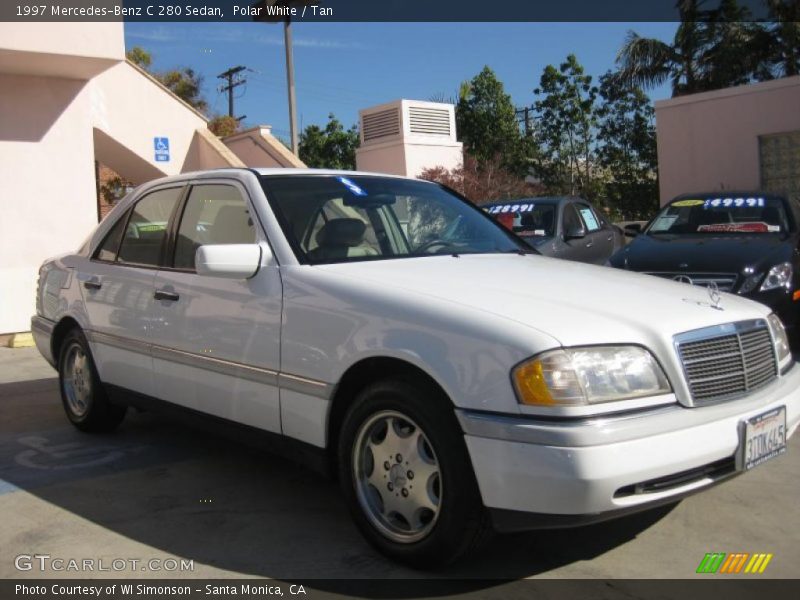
(330, 219)
(722, 215)
(526, 218)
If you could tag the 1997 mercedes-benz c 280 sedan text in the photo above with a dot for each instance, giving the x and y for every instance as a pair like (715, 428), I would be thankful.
(456, 380)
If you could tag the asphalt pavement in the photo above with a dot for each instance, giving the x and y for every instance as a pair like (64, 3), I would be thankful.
(160, 490)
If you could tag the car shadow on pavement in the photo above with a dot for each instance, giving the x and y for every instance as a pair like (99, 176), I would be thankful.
(186, 493)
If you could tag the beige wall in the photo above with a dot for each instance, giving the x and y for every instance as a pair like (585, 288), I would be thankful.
(74, 50)
(709, 141)
(47, 189)
(387, 158)
(52, 129)
(257, 147)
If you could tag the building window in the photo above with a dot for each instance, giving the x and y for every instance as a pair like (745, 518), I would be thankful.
(779, 157)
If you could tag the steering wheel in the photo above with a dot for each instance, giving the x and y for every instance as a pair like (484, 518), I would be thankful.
(432, 244)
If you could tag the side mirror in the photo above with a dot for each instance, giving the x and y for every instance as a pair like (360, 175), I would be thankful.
(632, 230)
(575, 233)
(230, 261)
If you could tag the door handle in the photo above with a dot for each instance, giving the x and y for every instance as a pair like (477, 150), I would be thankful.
(92, 285)
(590, 244)
(609, 238)
(165, 295)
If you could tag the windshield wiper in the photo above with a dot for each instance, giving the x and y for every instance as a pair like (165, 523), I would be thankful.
(520, 251)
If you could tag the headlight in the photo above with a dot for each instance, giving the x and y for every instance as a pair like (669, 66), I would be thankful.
(590, 375)
(779, 338)
(750, 283)
(778, 276)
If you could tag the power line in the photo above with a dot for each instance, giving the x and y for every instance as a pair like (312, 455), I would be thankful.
(234, 80)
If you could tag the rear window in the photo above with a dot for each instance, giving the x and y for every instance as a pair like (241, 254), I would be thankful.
(526, 218)
(750, 215)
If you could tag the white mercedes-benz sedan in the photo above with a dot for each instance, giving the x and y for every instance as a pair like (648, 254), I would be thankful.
(389, 331)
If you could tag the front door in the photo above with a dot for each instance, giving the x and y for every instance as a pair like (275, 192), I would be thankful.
(580, 249)
(216, 342)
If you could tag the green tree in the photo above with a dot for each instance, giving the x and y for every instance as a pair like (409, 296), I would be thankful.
(777, 46)
(487, 124)
(566, 118)
(626, 149)
(223, 126)
(714, 48)
(186, 84)
(183, 82)
(139, 56)
(333, 147)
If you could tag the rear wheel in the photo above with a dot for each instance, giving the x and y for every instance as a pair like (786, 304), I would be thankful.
(82, 393)
(407, 476)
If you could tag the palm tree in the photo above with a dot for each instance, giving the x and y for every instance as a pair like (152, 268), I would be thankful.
(778, 45)
(712, 49)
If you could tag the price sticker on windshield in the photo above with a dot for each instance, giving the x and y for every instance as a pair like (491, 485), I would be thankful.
(734, 202)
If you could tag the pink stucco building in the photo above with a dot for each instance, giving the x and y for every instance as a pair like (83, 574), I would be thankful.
(740, 138)
(69, 98)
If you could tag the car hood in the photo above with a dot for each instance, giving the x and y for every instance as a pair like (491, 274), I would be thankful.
(573, 302)
(703, 254)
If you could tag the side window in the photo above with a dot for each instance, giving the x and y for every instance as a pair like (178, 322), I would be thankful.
(214, 214)
(147, 228)
(571, 219)
(589, 218)
(107, 250)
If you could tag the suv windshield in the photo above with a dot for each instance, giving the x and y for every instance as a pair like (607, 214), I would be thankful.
(332, 218)
(723, 215)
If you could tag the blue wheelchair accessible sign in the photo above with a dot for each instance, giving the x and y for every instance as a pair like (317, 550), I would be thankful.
(161, 145)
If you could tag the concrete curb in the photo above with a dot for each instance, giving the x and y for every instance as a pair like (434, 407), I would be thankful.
(22, 339)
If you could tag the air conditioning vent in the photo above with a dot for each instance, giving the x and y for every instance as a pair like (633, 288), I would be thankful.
(380, 124)
(429, 121)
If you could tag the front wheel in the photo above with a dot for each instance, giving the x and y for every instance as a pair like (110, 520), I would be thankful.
(407, 476)
(82, 393)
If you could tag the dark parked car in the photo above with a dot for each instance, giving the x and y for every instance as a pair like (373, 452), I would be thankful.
(744, 243)
(561, 226)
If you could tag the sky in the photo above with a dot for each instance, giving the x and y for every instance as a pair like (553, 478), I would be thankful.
(344, 67)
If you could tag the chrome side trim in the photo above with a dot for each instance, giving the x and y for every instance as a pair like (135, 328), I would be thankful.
(288, 381)
(303, 385)
(218, 365)
(42, 325)
(117, 341)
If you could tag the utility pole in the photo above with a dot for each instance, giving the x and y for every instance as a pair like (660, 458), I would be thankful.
(262, 8)
(232, 82)
(525, 113)
(287, 41)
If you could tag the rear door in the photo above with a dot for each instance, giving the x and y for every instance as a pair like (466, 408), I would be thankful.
(216, 342)
(117, 288)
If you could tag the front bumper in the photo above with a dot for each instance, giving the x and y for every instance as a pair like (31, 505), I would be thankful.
(544, 473)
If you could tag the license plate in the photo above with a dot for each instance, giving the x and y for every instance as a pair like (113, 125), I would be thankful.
(763, 437)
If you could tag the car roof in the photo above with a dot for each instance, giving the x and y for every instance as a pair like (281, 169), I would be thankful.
(265, 172)
(727, 194)
(535, 199)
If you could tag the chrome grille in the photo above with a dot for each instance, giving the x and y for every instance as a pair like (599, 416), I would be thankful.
(728, 360)
(725, 281)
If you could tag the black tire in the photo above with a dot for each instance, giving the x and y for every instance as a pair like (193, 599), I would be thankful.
(461, 522)
(82, 392)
